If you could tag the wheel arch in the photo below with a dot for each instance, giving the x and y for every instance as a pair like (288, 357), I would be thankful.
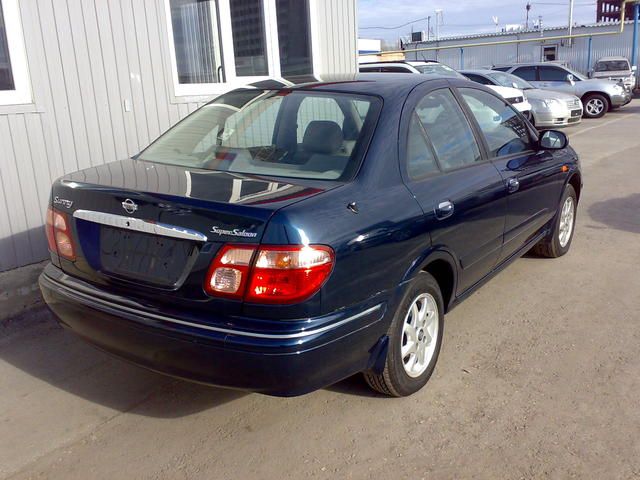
(596, 92)
(441, 264)
(576, 182)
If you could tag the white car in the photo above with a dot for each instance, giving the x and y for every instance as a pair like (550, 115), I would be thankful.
(514, 96)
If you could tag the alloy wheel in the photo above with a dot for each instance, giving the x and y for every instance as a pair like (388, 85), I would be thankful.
(419, 335)
(595, 106)
(566, 222)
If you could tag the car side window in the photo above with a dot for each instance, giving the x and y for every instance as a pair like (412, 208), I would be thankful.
(420, 159)
(395, 70)
(552, 74)
(526, 73)
(478, 79)
(370, 69)
(448, 129)
(506, 133)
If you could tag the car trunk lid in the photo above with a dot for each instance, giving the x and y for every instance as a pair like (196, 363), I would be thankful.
(152, 229)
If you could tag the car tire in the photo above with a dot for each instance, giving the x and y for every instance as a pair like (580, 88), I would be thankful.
(558, 242)
(595, 105)
(419, 322)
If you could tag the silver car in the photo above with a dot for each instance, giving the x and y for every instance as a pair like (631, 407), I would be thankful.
(548, 108)
(598, 95)
(615, 68)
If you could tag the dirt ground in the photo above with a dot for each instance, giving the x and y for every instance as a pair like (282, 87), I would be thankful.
(539, 377)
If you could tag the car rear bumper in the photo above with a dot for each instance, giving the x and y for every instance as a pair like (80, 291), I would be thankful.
(279, 363)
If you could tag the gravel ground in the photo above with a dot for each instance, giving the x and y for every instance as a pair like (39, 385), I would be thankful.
(538, 377)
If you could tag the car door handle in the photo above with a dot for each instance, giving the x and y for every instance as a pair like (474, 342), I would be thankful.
(513, 184)
(444, 210)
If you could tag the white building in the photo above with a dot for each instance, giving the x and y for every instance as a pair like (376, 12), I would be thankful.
(86, 82)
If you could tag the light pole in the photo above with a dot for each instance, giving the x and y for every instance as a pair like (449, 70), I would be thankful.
(570, 22)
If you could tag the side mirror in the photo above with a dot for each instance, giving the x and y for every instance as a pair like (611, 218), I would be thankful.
(570, 79)
(634, 68)
(553, 140)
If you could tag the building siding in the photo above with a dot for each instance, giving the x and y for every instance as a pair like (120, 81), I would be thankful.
(86, 59)
(485, 56)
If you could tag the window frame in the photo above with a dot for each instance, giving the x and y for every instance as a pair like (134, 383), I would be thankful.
(21, 94)
(439, 170)
(403, 131)
(544, 48)
(226, 55)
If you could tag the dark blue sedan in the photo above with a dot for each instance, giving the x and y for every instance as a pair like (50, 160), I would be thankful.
(281, 239)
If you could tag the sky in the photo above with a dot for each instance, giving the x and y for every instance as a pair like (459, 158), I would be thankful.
(464, 17)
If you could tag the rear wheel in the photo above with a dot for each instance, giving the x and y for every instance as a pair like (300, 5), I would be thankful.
(559, 240)
(415, 337)
(595, 105)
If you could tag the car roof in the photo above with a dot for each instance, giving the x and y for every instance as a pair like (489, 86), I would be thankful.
(606, 59)
(406, 62)
(380, 84)
(481, 71)
(530, 64)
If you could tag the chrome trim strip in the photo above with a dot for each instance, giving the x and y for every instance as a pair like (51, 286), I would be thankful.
(139, 225)
(227, 331)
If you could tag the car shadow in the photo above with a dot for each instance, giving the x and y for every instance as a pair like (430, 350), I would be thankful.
(34, 343)
(354, 385)
(619, 213)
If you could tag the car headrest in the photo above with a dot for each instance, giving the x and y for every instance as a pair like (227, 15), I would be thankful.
(322, 136)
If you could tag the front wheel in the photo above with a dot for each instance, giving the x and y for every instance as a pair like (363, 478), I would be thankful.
(559, 240)
(415, 337)
(595, 105)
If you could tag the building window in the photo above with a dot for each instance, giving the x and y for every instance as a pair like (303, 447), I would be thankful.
(195, 40)
(249, 43)
(216, 44)
(14, 79)
(6, 76)
(294, 37)
(550, 53)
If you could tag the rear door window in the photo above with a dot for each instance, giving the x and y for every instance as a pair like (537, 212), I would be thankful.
(448, 129)
(420, 158)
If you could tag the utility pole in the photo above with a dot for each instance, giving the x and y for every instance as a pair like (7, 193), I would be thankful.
(571, 21)
(428, 28)
(526, 24)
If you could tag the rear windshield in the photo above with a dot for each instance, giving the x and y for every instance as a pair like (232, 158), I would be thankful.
(282, 133)
(438, 69)
(612, 66)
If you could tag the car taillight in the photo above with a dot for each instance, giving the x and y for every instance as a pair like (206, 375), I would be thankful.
(278, 274)
(228, 272)
(59, 234)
